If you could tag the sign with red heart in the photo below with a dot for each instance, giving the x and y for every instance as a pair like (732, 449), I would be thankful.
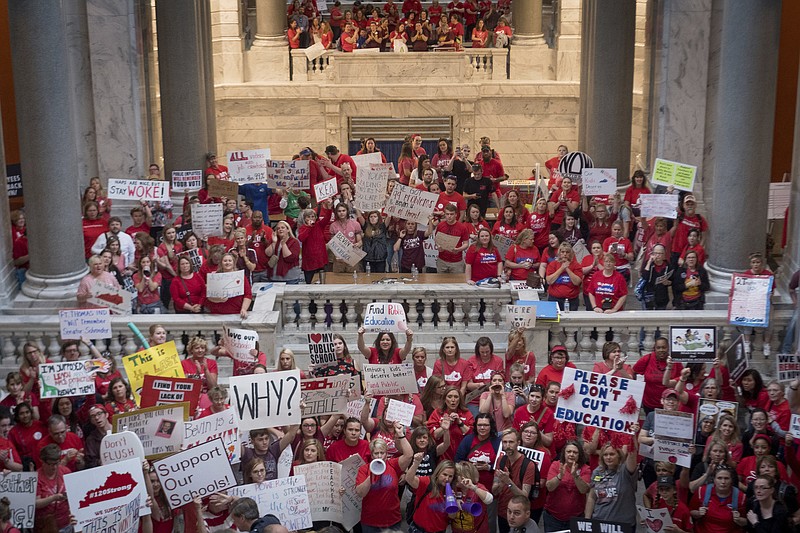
(655, 520)
(321, 349)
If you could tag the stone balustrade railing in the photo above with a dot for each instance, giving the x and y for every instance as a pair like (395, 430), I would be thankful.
(386, 68)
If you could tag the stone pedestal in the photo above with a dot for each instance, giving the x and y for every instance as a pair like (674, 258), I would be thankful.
(744, 128)
(531, 59)
(43, 87)
(267, 60)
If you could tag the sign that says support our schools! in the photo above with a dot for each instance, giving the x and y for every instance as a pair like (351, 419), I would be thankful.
(150, 190)
(598, 400)
(266, 400)
(385, 316)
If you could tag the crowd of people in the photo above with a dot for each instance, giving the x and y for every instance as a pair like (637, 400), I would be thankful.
(465, 460)
(406, 27)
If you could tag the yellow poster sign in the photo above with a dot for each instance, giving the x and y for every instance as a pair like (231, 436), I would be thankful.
(679, 175)
(162, 360)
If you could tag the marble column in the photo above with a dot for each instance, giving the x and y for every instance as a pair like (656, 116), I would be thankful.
(268, 58)
(530, 57)
(606, 102)
(227, 37)
(568, 41)
(744, 128)
(791, 254)
(182, 74)
(8, 280)
(43, 91)
(208, 65)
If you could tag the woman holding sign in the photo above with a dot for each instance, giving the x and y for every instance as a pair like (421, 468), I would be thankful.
(385, 350)
(188, 289)
(234, 304)
(483, 259)
(613, 487)
(197, 366)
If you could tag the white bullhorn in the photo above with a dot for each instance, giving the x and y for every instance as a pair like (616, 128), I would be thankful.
(377, 467)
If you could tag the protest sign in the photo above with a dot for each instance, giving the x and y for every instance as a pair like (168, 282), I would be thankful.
(655, 520)
(679, 175)
(207, 220)
(215, 426)
(520, 316)
(750, 300)
(580, 250)
(593, 525)
(240, 343)
(344, 250)
(266, 400)
(794, 426)
(385, 316)
(445, 242)
(194, 257)
(315, 50)
(323, 480)
(117, 447)
(371, 190)
(714, 409)
(674, 434)
(286, 498)
(288, 174)
(693, 344)
(123, 519)
(286, 459)
(158, 390)
(225, 284)
(321, 350)
(787, 367)
(222, 189)
(659, 205)
(408, 203)
(351, 502)
(325, 396)
(105, 491)
(118, 300)
(383, 380)
(68, 378)
(248, 166)
(161, 360)
(187, 180)
(20, 489)
(398, 411)
(503, 243)
(779, 198)
(160, 428)
(599, 181)
(149, 190)
(364, 161)
(536, 456)
(89, 323)
(736, 357)
(196, 472)
(325, 189)
(431, 253)
(598, 400)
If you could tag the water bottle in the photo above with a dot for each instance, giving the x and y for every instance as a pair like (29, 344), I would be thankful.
(355, 277)
(566, 306)
(414, 272)
(394, 263)
(368, 269)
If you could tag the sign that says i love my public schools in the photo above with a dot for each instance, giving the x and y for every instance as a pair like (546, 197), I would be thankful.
(151, 190)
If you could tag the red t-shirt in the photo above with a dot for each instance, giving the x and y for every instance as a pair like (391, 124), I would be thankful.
(781, 414)
(233, 305)
(572, 196)
(429, 515)
(454, 198)
(92, 229)
(456, 436)
(373, 357)
(681, 516)
(587, 277)
(194, 286)
(71, 440)
(507, 230)
(26, 439)
(543, 418)
(480, 372)
(517, 254)
(528, 362)
(485, 452)
(191, 371)
(632, 194)
(719, 517)
(453, 374)
(466, 523)
(563, 287)
(46, 487)
(549, 374)
(566, 501)
(602, 286)
(653, 371)
(540, 224)
(682, 228)
(619, 247)
(381, 506)
(259, 240)
(458, 229)
(340, 450)
(484, 262)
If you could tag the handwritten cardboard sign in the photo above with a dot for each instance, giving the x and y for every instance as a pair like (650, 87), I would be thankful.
(266, 400)
(108, 492)
(384, 380)
(503, 243)
(122, 446)
(674, 433)
(160, 429)
(216, 426)
(601, 401)
(240, 343)
(385, 316)
(655, 520)
(248, 166)
(401, 412)
(161, 360)
(222, 188)
(325, 189)
(659, 205)
(117, 299)
(520, 316)
(68, 378)
(343, 249)
(20, 489)
(187, 180)
(196, 472)
(679, 175)
(325, 396)
(288, 174)
(286, 497)
(207, 220)
(693, 344)
(599, 181)
(445, 242)
(351, 502)
(149, 190)
(321, 349)
(225, 284)
(371, 190)
(323, 480)
(749, 302)
(158, 390)
(89, 323)
(408, 203)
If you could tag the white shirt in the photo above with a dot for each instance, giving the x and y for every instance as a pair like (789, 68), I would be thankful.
(126, 246)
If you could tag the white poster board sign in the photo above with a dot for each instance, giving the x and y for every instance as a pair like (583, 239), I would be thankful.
(371, 189)
(384, 380)
(599, 181)
(674, 434)
(779, 198)
(315, 50)
(288, 174)
(749, 301)
(601, 401)
(116, 447)
(248, 166)
(225, 284)
(68, 378)
(323, 480)
(207, 220)
(160, 429)
(240, 343)
(344, 250)
(266, 400)
(117, 299)
(20, 489)
(385, 316)
(148, 190)
(216, 426)
(431, 253)
(364, 161)
(398, 411)
(286, 498)
(187, 180)
(351, 502)
(408, 203)
(325, 189)
(655, 520)
(659, 205)
(90, 323)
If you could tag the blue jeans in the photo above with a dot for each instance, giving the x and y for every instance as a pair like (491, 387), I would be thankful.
(551, 523)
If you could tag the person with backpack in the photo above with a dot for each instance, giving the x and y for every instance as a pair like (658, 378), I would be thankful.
(613, 486)
(514, 476)
(719, 507)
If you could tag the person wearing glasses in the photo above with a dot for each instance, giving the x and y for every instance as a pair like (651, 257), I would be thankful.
(101, 425)
(52, 509)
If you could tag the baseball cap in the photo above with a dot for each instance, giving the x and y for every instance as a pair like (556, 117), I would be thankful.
(209, 155)
(665, 481)
(669, 392)
(689, 198)
(559, 348)
(305, 151)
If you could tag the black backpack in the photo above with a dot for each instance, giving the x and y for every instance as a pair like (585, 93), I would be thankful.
(535, 488)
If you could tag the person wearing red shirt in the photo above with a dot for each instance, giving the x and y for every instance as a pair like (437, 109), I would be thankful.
(490, 163)
(564, 276)
(540, 224)
(712, 507)
(482, 366)
(456, 9)
(552, 166)
(452, 261)
(429, 495)
(51, 493)
(567, 485)
(386, 351)
(778, 408)
(621, 248)
(435, 12)
(556, 363)
(522, 257)
(26, 432)
(69, 443)
(141, 218)
(535, 410)
(262, 240)
(312, 236)
(238, 305)
(693, 245)
(93, 226)
(483, 259)
(450, 197)
(678, 510)
(293, 35)
(450, 366)
(508, 225)
(637, 188)
(459, 420)
(334, 162)
(566, 199)
(351, 444)
(687, 221)
(348, 38)
(214, 168)
(652, 367)
(412, 6)
(607, 289)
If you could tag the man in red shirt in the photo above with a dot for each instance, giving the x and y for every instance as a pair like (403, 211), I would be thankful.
(452, 261)
(333, 164)
(507, 482)
(260, 239)
(492, 168)
(686, 222)
(141, 217)
(348, 40)
(69, 443)
(450, 197)
(218, 171)
(351, 444)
